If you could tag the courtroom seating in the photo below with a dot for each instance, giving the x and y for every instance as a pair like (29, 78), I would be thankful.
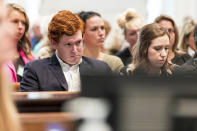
(57, 121)
(42, 101)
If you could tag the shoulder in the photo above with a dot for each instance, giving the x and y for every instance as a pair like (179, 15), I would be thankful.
(123, 52)
(182, 55)
(111, 58)
(189, 67)
(114, 62)
(92, 61)
(38, 63)
(93, 65)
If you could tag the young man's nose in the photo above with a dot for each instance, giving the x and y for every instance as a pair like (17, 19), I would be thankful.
(74, 49)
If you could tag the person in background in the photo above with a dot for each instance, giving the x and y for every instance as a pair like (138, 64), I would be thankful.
(130, 22)
(37, 36)
(190, 67)
(94, 37)
(9, 120)
(175, 57)
(187, 44)
(150, 53)
(43, 30)
(20, 25)
(64, 69)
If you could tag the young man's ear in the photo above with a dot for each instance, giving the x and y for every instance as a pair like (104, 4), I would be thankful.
(54, 44)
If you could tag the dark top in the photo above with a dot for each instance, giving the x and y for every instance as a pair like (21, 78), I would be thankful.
(19, 64)
(47, 75)
(180, 59)
(125, 56)
(140, 72)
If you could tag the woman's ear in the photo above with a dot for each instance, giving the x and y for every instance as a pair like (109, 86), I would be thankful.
(54, 44)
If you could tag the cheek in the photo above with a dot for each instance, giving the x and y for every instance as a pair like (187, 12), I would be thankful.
(151, 54)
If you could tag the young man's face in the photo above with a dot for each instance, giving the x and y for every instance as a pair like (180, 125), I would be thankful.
(70, 48)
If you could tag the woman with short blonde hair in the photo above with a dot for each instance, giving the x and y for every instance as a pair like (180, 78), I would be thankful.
(187, 44)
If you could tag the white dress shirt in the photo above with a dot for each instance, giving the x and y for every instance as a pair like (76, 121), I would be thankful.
(71, 74)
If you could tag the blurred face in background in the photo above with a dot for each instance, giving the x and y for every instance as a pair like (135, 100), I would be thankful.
(158, 51)
(131, 35)
(169, 27)
(18, 21)
(94, 32)
(7, 44)
(190, 41)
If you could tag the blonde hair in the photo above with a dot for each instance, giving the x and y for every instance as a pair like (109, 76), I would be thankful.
(130, 19)
(24, 43)
(168, 18)
(9, 117)
(187, 29)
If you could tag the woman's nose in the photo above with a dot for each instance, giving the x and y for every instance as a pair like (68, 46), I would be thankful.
(164, 53)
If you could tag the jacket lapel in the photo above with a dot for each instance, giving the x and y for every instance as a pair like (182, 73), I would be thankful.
(57, 71)
(83, 67)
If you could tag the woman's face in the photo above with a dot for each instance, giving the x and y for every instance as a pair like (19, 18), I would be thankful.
(158, 51)
(170, 28)
(94, 31)
(7, 45)
(131, 36)
(190, 41)
(18, 22)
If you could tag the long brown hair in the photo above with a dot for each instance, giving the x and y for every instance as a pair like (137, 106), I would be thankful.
(140, 50)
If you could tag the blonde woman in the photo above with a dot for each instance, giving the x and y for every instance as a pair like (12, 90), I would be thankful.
(9, 118)
(130, 22)
(187, 44)
(175, 57)
(20, 25)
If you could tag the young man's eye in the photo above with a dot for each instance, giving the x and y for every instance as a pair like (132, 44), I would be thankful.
(68, 44)
(78, 43)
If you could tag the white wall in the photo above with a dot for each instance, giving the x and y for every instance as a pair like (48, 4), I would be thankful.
(107, 8)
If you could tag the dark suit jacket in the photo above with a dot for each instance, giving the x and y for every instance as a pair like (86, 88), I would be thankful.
(47, 75)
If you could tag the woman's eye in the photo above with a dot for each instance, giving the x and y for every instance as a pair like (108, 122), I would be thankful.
(157, 48)
(15, 21)
(93, 29)
(167, 48)
(102, 28)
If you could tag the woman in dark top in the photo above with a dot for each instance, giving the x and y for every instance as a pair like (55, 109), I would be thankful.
(150, 53)
(175, 56)
(131, 22)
